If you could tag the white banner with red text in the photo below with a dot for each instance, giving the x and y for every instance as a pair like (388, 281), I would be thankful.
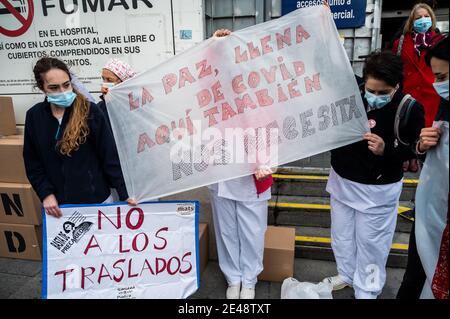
(263, 96)
(116, 251)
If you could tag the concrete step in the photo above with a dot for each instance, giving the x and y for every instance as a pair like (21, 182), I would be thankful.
(315, 212)
(312, 182)
(325, 171)
(315, 243)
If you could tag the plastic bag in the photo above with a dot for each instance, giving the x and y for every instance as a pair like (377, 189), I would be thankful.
(293, 289)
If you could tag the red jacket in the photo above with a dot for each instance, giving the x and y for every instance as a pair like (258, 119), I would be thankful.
(418, 77)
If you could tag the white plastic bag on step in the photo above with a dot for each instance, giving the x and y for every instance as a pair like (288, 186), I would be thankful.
(293, 289)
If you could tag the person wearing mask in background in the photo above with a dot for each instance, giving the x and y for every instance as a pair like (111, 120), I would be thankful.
(69, 152)
(433, 5)
(419, 35)
(365, 181)
(240, 222)
(426, 275)
(114, 72)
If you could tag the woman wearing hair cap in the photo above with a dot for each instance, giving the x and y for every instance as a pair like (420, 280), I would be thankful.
(114, 72)
(121, 71)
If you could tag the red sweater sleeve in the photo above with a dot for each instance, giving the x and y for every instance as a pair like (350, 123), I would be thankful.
(262, 186)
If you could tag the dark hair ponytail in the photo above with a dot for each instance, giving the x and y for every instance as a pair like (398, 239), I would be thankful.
(384, 66)
(439, 51)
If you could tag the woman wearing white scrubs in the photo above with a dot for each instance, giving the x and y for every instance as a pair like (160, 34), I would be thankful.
(240, 222)
(365, 181)
(240, 208)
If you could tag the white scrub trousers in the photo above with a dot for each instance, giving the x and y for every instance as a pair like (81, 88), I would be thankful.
(361, 243)
(363, 220)
(240, 228)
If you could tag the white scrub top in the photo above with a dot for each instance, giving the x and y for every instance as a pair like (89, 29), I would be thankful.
(241, 189)
(363, 197)
(432, 207)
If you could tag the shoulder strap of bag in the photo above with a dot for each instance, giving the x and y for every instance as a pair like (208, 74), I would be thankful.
(400, 45)
(402, 115)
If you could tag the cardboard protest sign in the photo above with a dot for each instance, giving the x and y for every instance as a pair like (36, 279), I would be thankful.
(115, 251)
(266, 95)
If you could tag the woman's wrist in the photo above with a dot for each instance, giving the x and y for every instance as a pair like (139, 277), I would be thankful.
(418, 149)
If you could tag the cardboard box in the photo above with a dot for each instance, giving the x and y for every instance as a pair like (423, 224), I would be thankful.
(21, 241)
(15, 136)
(279, 253)
(7, 117)
(19, 204)
(12, 167)
(204, 246)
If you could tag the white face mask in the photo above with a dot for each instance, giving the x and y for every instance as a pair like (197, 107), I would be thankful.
(108, 85)
(442, 89)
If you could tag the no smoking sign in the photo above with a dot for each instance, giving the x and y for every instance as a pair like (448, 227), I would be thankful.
(16, 17)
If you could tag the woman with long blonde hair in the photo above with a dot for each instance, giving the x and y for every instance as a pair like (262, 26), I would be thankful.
(69, 152)
(419, 35)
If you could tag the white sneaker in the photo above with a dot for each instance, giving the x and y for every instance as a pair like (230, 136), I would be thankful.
(336, 282)
(247, 293)
(233, 291)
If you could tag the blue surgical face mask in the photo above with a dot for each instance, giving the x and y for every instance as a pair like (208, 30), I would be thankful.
(377, 101)
(423, 24)
(64, 99)
(442, 89)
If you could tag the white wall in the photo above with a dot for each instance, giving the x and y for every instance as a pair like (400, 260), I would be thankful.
(16, 77)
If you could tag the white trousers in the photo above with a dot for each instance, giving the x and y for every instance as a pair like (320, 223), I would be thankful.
(361, 242)
(240, 228)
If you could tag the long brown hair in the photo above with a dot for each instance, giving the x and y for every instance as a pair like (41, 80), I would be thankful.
(77, 128)
(410, 22)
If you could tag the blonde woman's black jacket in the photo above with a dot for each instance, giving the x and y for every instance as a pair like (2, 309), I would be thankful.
(102, 106)
(84, 177)
(357, 163)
